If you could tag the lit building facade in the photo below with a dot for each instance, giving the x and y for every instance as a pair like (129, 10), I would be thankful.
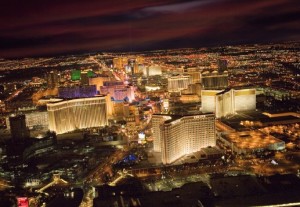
(152, 70)
(37, 119)
(98, 81)
(194, 73)
(193, 89)
(34, 119)
(214, 80)
(157, 120)
(244, 99)
(120, 62)
(118, 91)
(227, 102)
(208, 103)
(69, 115)
(178, 83)
(84, 91)
(176, 136)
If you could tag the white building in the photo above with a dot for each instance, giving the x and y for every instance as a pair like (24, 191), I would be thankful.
(156, 121)
(176, 136)
(69, 115)
(208, 103)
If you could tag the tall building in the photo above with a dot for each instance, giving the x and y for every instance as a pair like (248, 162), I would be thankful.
(84, 91)
(194, 73)
(52, 79)
(84, 78)
(118, 91)
(156, 121)
(225, 103)
(196, 76)
(214, 80)
(152, 70)
(176, 136)
(208, 100)
(98, 81)
(75, 75)
(229, 101)
(33, 119)
(131, 64)
(193, 89)
(69, 115)
(222, 65)
(120, 62)
(18, 128)
(109, 106)
(178, 83)
(165, 105)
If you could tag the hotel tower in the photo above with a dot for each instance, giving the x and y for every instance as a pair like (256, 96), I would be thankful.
(176, 136)
(69, 115)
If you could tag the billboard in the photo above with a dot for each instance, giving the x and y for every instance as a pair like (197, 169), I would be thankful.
(22, 201)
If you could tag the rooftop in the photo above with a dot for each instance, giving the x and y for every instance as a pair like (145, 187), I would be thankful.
(251, 139)
(174, 117)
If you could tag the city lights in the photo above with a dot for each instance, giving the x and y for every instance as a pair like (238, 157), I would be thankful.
(134, 129)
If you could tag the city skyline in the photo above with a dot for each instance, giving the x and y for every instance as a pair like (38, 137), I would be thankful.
(150, 103)
(55, 28)
(88, 130)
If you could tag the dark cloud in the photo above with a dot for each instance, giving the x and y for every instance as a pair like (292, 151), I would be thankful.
(37, 28)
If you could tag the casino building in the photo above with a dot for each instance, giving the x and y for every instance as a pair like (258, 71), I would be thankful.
(228, 101)
(84, 91)
(69, 115)
(117, 90)
(214, 80)
(178, 83)
(175, 136)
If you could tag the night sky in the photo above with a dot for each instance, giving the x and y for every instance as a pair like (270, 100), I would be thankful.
(39, 28)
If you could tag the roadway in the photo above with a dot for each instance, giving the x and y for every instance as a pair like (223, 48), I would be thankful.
(16, 93)
(97, 176)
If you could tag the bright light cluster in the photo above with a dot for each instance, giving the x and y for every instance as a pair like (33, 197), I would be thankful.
(69, 115)
(175, 138)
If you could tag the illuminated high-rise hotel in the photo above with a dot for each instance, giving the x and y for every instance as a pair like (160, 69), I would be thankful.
(152, 70)
(226, 102)
(178, 83)
(214, 80)
(157, 120)
(176, 136)
(69, 115)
